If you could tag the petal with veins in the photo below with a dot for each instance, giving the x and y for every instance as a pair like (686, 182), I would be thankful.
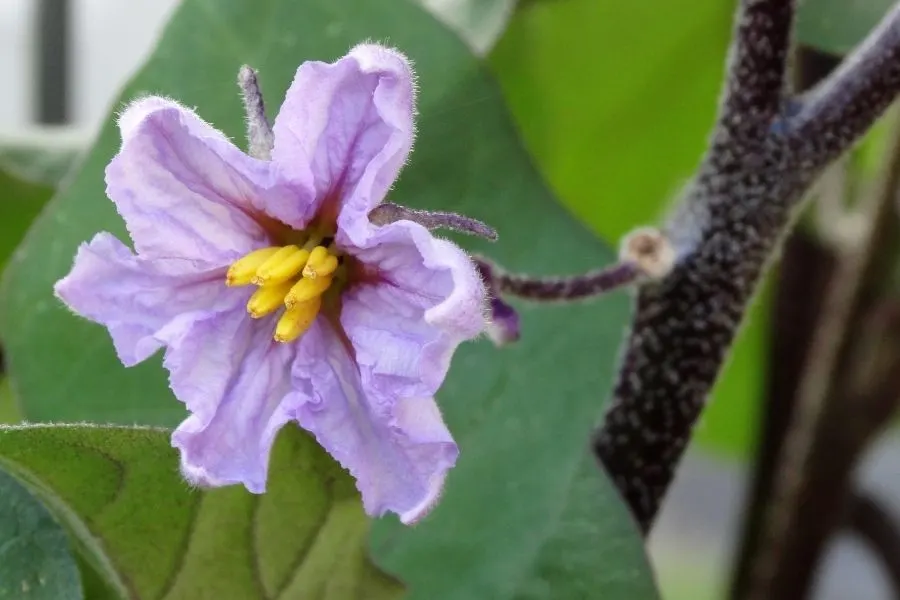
(138, 299)
(235, 381)
(398, 449)
(430, 298)
(348, 125)
(184, 190)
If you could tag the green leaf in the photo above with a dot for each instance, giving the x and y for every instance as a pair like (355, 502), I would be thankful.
(150, 536)
(35, 559)
(20, 203)
(512, 507)
(30, 170)
(9, 408)
(574, 548)
(616, 100)
(837, 26)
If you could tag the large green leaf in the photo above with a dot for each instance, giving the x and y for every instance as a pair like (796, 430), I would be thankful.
(522, 509)
(616, 100)
(35, 559)
(150, 536)
(836, 26)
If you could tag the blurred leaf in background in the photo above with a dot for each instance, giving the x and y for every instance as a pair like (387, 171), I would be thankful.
(20, 203)
(615, 100)
(30, 171)
(526, 513)
(837, 26)
(9, 411)
(31, 168)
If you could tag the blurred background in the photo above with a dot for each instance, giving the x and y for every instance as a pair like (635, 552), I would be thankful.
(63, 62)
(614, 102)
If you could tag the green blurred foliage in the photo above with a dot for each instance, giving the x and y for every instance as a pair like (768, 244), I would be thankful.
(20, 202)
(9, 410)
(35, 558)
(837, 26)
(148, 535)
(526, 513)
(615, 101)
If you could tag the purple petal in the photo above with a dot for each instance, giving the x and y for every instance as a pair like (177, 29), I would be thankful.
(186, 191)
(405, 329)
(399, 450)
(235, 381)
(348, 125)
(139, 300)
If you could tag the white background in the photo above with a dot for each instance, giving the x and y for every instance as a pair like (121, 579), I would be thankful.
(109, 39)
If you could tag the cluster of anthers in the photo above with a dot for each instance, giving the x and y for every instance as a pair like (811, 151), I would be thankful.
(296, 277)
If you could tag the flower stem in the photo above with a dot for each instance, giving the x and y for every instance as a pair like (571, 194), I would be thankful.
(259, 132)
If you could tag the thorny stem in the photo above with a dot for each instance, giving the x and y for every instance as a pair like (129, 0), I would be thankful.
(837, 412)
(753, 97)
(645, 254)
(760, 163)
(846, 103)
(870, 521)
(550, 289)
(388, 212)
(725, 228)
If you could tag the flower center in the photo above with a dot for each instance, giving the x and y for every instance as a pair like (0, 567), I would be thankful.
(291, 276)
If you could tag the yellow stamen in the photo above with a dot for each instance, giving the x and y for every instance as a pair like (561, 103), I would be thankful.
(297, 319)
(244, 269)
(320, 263)
(306, 289)
(267, 299)
(281, 266)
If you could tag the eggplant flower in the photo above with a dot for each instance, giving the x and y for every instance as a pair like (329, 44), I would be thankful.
(275, 296)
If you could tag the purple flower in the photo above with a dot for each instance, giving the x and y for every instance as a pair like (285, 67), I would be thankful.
(351, 326)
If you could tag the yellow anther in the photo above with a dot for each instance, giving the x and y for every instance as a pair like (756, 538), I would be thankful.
(306, 289)
(281, 266)
(267, 299)
(297, 319)
(244, 269)
(320, 263)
